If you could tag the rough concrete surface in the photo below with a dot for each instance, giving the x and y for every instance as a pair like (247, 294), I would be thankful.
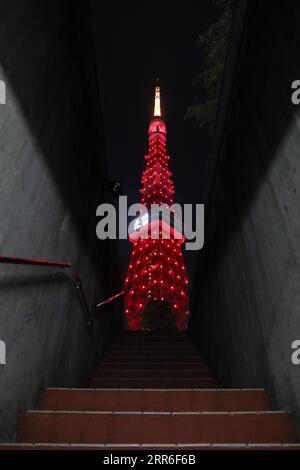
(51, 169)
(246, 296)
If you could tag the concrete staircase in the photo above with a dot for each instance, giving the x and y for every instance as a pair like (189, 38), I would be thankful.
(154, 391)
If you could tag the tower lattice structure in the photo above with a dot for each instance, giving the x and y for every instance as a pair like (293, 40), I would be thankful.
(156, 272)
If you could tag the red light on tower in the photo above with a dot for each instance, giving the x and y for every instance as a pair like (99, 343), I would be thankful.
(156, 271)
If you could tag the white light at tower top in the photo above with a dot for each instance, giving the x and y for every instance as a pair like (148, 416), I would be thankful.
(157, 111)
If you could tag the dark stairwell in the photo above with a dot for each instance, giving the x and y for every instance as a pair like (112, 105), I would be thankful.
(245, 291)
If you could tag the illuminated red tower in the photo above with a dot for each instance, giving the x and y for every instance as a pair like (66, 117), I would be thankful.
(156, 271)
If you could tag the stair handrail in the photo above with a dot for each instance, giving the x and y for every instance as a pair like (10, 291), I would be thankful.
(34, 262)
(77, 286)
(110, 299)
(87, 312)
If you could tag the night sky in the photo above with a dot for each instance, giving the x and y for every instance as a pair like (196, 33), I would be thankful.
(135, 44)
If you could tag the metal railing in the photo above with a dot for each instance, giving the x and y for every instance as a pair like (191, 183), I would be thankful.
(89, 313)
(110, 299)
(80, 294)
(33, 262)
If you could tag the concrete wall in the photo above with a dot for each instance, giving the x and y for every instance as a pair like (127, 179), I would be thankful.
(246, 298)
(51, 172)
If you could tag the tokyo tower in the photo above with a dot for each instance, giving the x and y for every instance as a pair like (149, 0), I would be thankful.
(156, 274)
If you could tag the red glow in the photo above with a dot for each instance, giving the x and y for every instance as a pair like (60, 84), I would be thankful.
(156, 269)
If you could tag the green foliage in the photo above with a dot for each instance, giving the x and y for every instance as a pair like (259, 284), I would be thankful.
(213, 44)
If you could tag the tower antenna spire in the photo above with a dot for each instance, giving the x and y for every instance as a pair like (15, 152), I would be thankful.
(157, 108)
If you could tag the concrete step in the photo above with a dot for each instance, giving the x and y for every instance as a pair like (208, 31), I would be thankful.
(152, 373)
(158, 352)
(146, 351)
(155, 347)
(137, 446)
(152, 358)
(153, 334)
(155, 400)
(197, 367)
(125, 428)
(155, 344)
(159, 340)
(148, 382)
(178, 341)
